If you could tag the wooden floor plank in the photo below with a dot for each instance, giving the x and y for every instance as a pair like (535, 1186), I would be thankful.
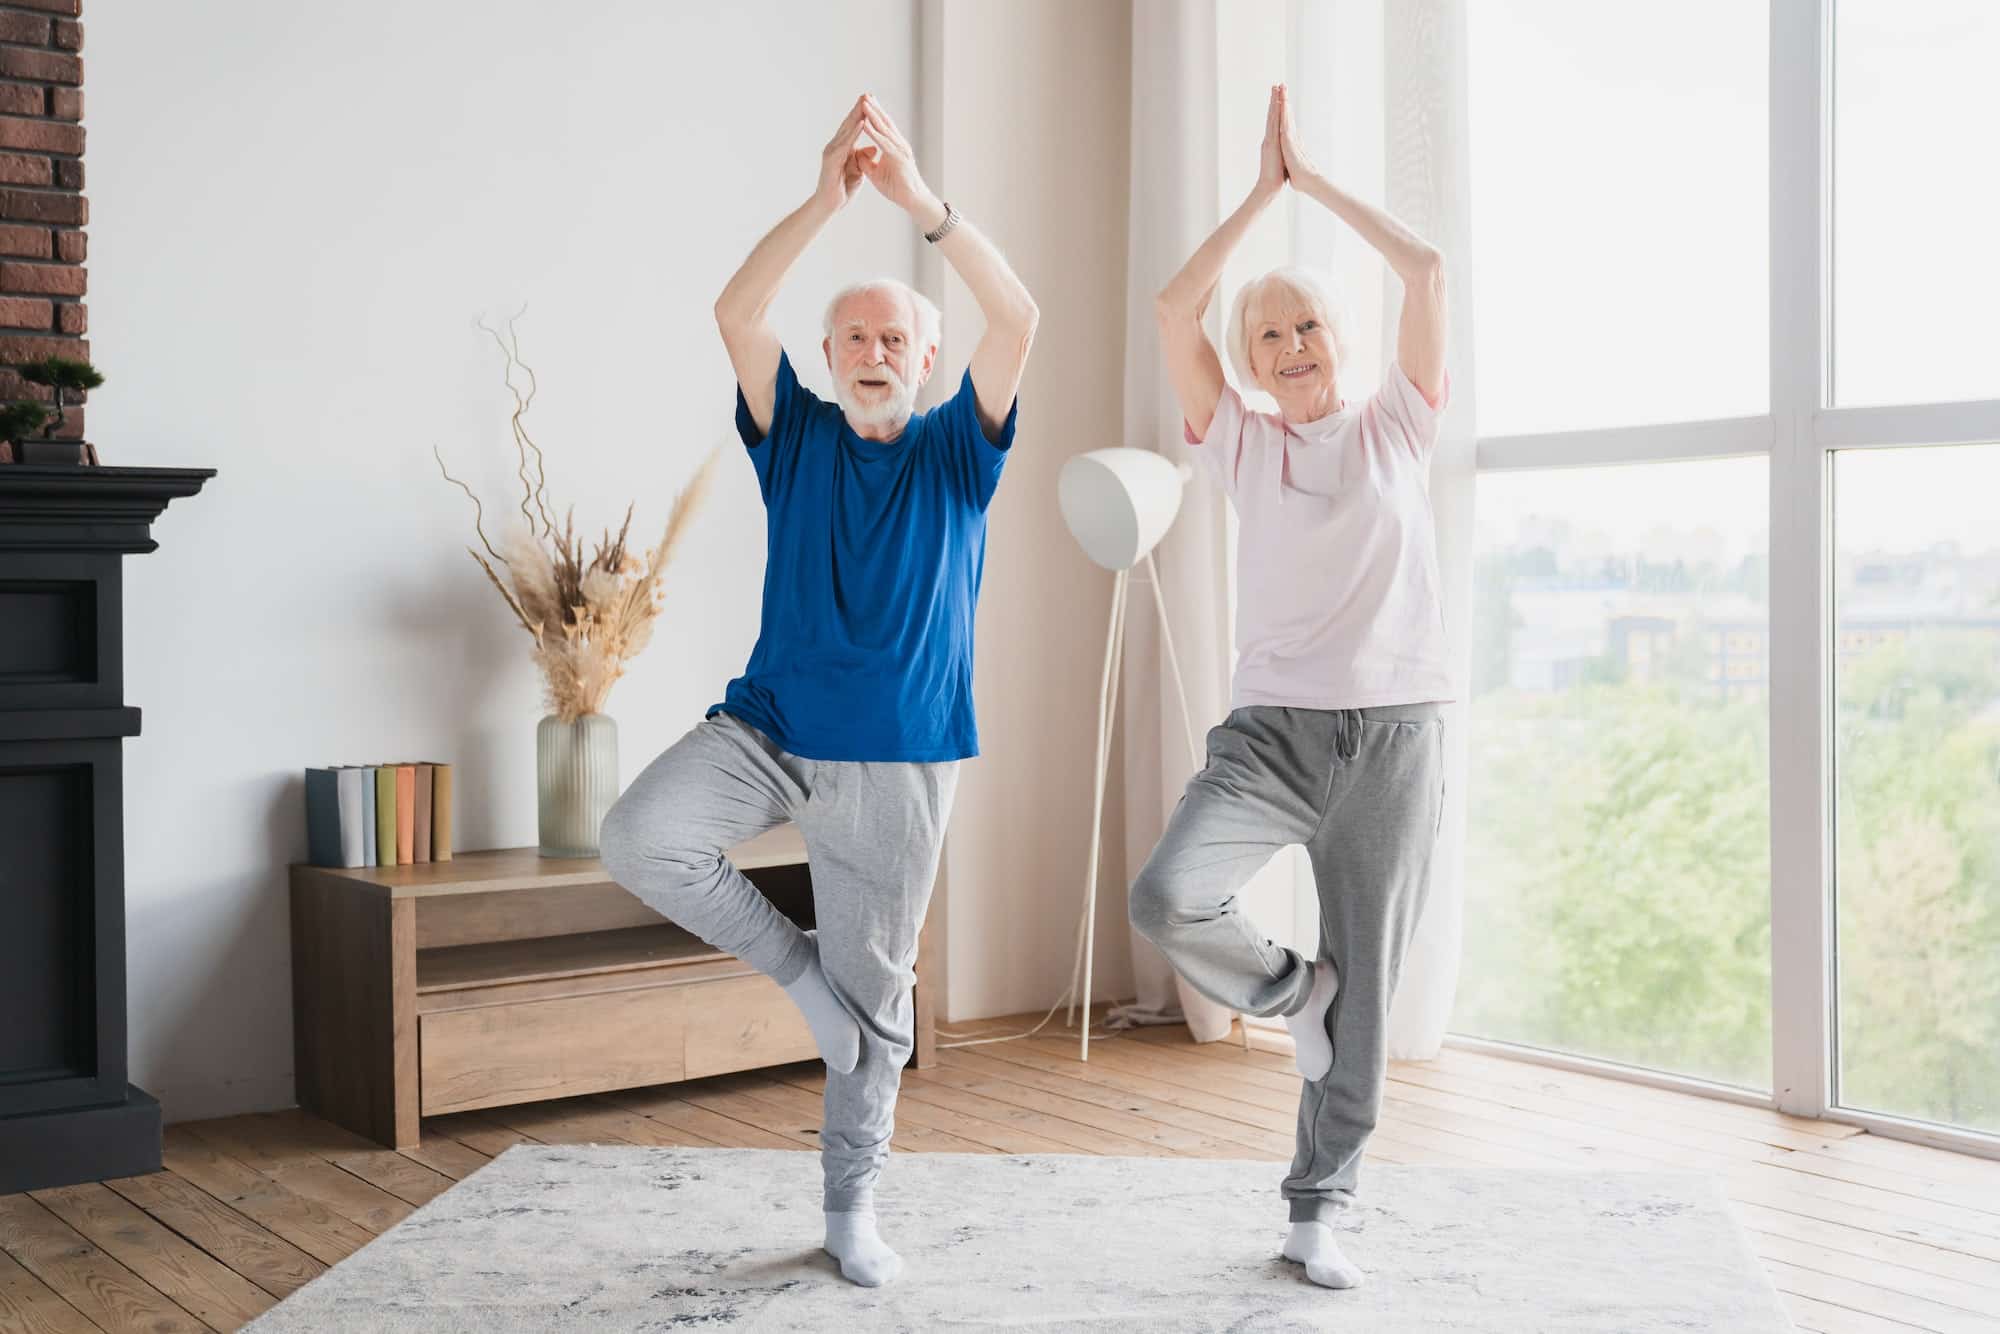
(1859, 1295)
(1817, 1317)
(763, 1099)
(30, 1306)
(214, 1293)
(1025, 1088)
(477, 1132)
(387, 1170)
(1866, 1244)
(725, 1131)
(306, 1223)
(252, 1141)
(445, 1155)
(89, 1279)
(259, 1255)
(1025, 1064)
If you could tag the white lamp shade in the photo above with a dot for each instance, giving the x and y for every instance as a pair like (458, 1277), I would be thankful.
(1119, 503)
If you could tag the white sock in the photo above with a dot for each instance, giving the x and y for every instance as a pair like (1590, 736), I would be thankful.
(1312, 1049)
(1312, 1245)
(864, 1257)
(834, 1031)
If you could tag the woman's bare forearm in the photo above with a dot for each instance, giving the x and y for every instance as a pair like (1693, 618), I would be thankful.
(1187, 293)
(1408, 254)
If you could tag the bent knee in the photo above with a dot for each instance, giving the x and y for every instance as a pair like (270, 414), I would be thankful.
(1150, 904)
(644, 852)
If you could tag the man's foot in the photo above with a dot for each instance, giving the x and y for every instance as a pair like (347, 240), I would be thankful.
(834, 1031)
(1312, 1048)
(1312, 1245)
(864, 1257)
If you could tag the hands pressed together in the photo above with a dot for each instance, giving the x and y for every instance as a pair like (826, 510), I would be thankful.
(887, 162)
(1281, 161)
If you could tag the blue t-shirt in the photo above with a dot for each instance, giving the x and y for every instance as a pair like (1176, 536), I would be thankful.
(873, 558)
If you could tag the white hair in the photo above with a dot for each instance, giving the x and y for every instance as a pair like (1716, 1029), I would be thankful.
(929, 322)
(1317, 290)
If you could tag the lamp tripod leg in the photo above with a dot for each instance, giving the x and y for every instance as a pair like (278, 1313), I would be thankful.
(1106, 719)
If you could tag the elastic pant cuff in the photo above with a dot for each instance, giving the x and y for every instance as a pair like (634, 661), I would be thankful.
(857, 1201)
(1318, 1208)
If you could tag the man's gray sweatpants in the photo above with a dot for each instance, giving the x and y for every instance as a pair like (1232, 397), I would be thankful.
(1363, 790)
(873, 832)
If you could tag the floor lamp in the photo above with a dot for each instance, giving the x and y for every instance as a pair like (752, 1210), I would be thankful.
(1118, 504)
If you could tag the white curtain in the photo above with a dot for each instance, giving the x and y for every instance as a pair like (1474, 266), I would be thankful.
(1379, 90)
(1173, 207)
(1427, 176)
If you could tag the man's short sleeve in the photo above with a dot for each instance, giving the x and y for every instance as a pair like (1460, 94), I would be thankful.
(976, 460)
(793, 408)
(1220, 453)
(1403, 409)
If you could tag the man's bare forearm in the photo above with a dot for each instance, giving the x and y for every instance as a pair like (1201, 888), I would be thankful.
(748, 296)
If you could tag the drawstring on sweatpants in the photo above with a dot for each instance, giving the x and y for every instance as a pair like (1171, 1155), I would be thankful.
(1347, 733)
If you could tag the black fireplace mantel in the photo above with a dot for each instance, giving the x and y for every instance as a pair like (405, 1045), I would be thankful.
(69, 508)
(67, 1112)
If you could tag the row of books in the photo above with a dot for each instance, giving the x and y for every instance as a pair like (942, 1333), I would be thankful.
(378, 814)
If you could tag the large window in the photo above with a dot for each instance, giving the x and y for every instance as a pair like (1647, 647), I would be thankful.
(1734, 805)
(1618, 886)
(1618, 820)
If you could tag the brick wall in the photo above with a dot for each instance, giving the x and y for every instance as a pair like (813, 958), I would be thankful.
(42, 208)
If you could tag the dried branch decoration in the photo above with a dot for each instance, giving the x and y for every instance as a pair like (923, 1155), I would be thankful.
(588, 618)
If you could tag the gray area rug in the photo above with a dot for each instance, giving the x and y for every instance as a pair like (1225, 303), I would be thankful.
(627, 1238)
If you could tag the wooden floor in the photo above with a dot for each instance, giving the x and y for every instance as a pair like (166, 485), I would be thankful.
(1859, 1233)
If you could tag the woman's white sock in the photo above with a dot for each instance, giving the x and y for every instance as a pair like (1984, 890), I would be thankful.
(1312, 1245)
(1312, 1048)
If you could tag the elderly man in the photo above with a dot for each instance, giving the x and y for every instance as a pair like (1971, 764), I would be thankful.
(856, 705)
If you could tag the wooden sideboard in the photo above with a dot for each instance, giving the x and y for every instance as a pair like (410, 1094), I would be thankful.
(504, 977)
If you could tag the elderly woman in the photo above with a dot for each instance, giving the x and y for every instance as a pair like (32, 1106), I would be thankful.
(1335, 739)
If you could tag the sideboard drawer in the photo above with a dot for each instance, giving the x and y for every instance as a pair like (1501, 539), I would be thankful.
(747, 1023)
(500, 1054)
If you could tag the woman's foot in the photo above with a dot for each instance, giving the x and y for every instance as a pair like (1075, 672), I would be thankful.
(1312, 1245)
(864, 1257)
(1312, 1047)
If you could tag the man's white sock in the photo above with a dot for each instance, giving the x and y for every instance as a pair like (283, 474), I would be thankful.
(864, 1257)
(834, 1031)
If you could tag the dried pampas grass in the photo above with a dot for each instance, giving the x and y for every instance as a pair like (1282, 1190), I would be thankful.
(589, 617)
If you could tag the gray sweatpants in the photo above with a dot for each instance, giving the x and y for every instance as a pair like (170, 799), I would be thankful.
(1363, 790)
(873, 832)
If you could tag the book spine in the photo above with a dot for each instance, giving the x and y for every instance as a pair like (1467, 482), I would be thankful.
(367, 773)
(423, 823)
(406, 814)
(385, 815)
(322, 817)
(353, 810)
(441, 812)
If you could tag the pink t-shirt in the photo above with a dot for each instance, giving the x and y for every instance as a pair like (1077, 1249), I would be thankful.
(1337, 602)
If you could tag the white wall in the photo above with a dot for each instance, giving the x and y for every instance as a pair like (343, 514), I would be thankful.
(297, 211)
(1032, 104)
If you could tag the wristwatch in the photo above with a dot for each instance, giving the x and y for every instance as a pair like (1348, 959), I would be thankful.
(943, 229)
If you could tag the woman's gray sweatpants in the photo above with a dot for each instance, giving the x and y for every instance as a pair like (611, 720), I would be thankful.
(1363, 790)
(873, 832)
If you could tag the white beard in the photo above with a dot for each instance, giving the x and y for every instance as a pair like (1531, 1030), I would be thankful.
(891, 411)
